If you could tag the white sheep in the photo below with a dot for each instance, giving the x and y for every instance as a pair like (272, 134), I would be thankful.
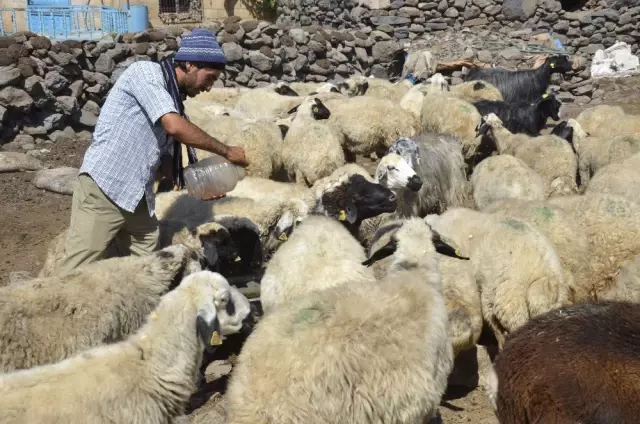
(505, 177)
(611, 224)
(438, 161)
(45, 320)
(265, 104)
(369, 124)
(326, 255)
(384, 89)
(225, 96)
(358, 353)
(567, 235)
(594, 153)
(549, 155)
(608, 121)
(459, 288)
(618, 178)
(311, 149)
(473, 91)
(516, 267)
(148, 377)
(413, 100)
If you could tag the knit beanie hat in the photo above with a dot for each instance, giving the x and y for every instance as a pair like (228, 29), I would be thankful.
(200, 46)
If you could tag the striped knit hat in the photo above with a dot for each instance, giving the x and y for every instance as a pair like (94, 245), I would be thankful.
(200, 46)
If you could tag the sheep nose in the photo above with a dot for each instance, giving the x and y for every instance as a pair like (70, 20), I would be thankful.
(392, 198)
(415, 183)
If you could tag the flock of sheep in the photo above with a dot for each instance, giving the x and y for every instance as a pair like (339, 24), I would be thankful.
(370, 286)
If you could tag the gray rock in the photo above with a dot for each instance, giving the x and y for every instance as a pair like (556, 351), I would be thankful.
(55, 82)
(17, 277)
(105, 64)
(391, 20)
(493, 10)
(16, 98)
(68, 104)
(14, 161)
(519, 9)
(58, 180)
(9, 75)
(232, 51)
(89, 114)
(410, 12)
(483, 3)
(22, 139)
(260, 61)
(418, 29)
(105, 44)
(511, 54)
(298, 35)
(62, 58)
(460, 4)
(35, 86)
(436, 26)
(386, 51)
(472, 12)
(451, 13)
(485, 56)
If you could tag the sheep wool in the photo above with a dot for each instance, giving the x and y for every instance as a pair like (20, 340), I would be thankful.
(148, 377)
(358, 353)
(619, 179)
(473, 91)
(326, 255)
(608, 121)
(46, 320)
(505, 177)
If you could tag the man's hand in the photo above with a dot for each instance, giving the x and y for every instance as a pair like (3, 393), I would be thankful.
(236, 155)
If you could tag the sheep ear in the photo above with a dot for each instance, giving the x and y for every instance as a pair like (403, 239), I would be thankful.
(293, 110)
(385, 251)
(208, 326)
(445, 248)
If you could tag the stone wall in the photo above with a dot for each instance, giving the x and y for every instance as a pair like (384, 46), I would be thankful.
(586, 30)
(53, 90)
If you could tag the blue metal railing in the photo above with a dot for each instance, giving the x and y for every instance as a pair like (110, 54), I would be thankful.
(76, 22)
(8, 22)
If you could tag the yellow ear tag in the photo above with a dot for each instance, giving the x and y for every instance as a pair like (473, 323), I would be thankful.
(342, 215)
(237, 259)
(215, 339)
(552, 65)
(545, 95)
(283, 237)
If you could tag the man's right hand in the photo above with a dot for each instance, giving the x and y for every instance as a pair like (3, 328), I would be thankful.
(235, 155)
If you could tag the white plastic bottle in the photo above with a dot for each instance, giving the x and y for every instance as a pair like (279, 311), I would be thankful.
(212, 176)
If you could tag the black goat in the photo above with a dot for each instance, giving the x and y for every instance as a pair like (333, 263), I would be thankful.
(523, 85)
(523, 117)
(564, 131)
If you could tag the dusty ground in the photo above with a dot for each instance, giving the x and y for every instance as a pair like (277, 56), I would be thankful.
(32, 217)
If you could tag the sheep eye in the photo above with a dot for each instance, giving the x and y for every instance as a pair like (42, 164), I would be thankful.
(391, 168)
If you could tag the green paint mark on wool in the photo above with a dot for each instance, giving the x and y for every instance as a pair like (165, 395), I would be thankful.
(310, 314)
(516, 225)
(544, 212)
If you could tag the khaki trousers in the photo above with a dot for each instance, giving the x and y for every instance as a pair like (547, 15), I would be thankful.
(96, 221)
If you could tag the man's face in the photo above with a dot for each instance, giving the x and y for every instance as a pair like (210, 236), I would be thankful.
(198, 80)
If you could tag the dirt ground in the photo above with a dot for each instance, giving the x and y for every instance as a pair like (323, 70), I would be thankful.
(32, 217)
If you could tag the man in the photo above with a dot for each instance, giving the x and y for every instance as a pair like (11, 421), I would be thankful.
(141, 120)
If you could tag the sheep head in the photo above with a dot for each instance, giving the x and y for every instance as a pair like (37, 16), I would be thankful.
(549, 105)
(407, 241)
(559, 63)
(311, 107)
(294, 213)
(221, 307)
(354, 86)
(488, 122)
(438, 82)
(352, 199)
(395, 173)
(408, 149)
(283, 89)
(327, 88)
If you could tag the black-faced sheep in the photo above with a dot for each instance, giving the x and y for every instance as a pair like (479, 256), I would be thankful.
(148, 377)
(576, 364)
(311, 149)
(523, 85)
(358, 353)
(523, 117)
(49, 319)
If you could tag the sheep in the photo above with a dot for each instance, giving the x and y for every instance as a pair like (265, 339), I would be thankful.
(619, 179)
(575, 364)
(523, 117)
(226, 96)
(346, 169)
(472, 91)
(266, 104)
(413, 100)
(446, 114)
(368, 124)
(354, 86)
(516, 266)
(522, 85)
(148, 377)
(311, 149)
(438, 161)
(626, 286)
(359, 352)
(565, 233)
(281, 87)
(611, 224)
(261, 141)
(259, 189)
(384, 89)
(45, 320)
(505, 177)
(351, 200)
(459, 288)
(608, 121)
(418, 64)
(550, 156)
(596, 152)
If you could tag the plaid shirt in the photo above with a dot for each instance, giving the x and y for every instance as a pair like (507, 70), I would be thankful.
(129, 140)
